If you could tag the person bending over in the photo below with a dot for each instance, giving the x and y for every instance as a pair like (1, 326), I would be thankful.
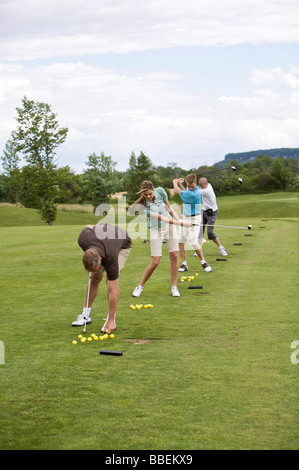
(106, 248)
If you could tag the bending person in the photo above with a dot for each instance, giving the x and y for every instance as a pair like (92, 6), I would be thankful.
(106, 248)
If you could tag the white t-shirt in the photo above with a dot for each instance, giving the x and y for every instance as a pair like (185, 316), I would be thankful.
(208, 198)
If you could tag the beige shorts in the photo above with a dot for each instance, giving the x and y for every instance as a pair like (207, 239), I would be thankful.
(122, 258)
(190, 234)
(169, 232)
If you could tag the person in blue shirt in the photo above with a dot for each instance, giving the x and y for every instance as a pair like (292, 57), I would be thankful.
(161, 220)
(191, 212)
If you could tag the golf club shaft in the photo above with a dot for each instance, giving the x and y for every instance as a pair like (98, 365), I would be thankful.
(223, 226)
(219, 169)
(88, 291)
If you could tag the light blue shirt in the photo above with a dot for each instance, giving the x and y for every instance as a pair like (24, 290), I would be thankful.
(157, 206)
(192, 201)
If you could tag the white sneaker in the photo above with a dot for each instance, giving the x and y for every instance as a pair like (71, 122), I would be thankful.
(81, 320)
(183, 268)
(207, 268)
(175, 291)
(137, 291)
(223, 251)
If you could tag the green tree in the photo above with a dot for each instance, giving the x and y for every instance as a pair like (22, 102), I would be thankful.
(140, 169)
(296, 183)
(68, 184)
(3, 187)
(10, 164)
(281, 174)
(100, 179)
(38, 137)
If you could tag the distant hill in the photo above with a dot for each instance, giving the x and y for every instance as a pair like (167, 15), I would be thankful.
(244, 157)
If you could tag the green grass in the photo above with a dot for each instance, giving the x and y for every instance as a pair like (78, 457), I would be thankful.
(274, 205)
(208, 370)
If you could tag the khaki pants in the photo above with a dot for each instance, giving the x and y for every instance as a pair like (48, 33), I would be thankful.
(122, 258)
(168, 231)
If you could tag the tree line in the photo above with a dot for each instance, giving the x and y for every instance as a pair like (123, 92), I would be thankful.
(41, 184)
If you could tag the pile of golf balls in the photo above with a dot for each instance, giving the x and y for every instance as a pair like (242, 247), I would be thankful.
(188, 278)
(140, 306)
(93, 337)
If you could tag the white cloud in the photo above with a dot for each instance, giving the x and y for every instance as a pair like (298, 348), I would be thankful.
(115, 113)
(276, 77)
(118, 111)
(33, 29)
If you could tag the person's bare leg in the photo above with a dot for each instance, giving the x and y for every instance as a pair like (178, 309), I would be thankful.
(216, 240)
(174, 267)
(150, 269)
(182, 252)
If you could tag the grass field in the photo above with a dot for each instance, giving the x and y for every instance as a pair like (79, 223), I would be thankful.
(209, 370)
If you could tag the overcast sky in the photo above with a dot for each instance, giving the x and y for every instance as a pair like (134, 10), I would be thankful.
(182, 81)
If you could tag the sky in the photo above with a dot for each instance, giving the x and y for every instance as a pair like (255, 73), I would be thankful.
(185, 82)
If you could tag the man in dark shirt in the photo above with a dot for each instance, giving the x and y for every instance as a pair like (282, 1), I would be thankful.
(106, 248)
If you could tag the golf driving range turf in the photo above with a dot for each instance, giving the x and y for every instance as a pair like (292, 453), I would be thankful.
(209, 370)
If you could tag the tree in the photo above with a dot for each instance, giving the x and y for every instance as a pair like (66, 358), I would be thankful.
(38, 137)
(100, 179)
(140, 169)
(10, 164)
(281, 174)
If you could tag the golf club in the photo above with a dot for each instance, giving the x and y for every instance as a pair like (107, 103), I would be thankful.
(233, 168)
(89, 281)
(249, 227)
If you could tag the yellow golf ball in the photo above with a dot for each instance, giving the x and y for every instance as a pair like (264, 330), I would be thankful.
(80, 336)
(89, 339)
(105, 335)
(95, 338)
(101, 337)
(74, 342)
(83, 340)
(112, 336)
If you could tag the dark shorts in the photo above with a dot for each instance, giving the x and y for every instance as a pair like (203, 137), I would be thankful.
(209, 220)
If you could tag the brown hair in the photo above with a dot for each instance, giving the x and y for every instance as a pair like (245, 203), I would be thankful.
(145, 186)
(91, 259)
(191, 178)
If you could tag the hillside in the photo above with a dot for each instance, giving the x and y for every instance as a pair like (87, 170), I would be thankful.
(244, 157)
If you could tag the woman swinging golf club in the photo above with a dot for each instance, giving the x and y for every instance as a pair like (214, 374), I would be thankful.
(161, 220)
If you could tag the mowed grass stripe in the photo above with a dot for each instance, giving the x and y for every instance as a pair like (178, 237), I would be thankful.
(214, 372)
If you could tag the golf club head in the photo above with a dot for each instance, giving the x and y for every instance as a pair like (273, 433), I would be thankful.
(233, 168)
(249, 227)
(240, 180)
